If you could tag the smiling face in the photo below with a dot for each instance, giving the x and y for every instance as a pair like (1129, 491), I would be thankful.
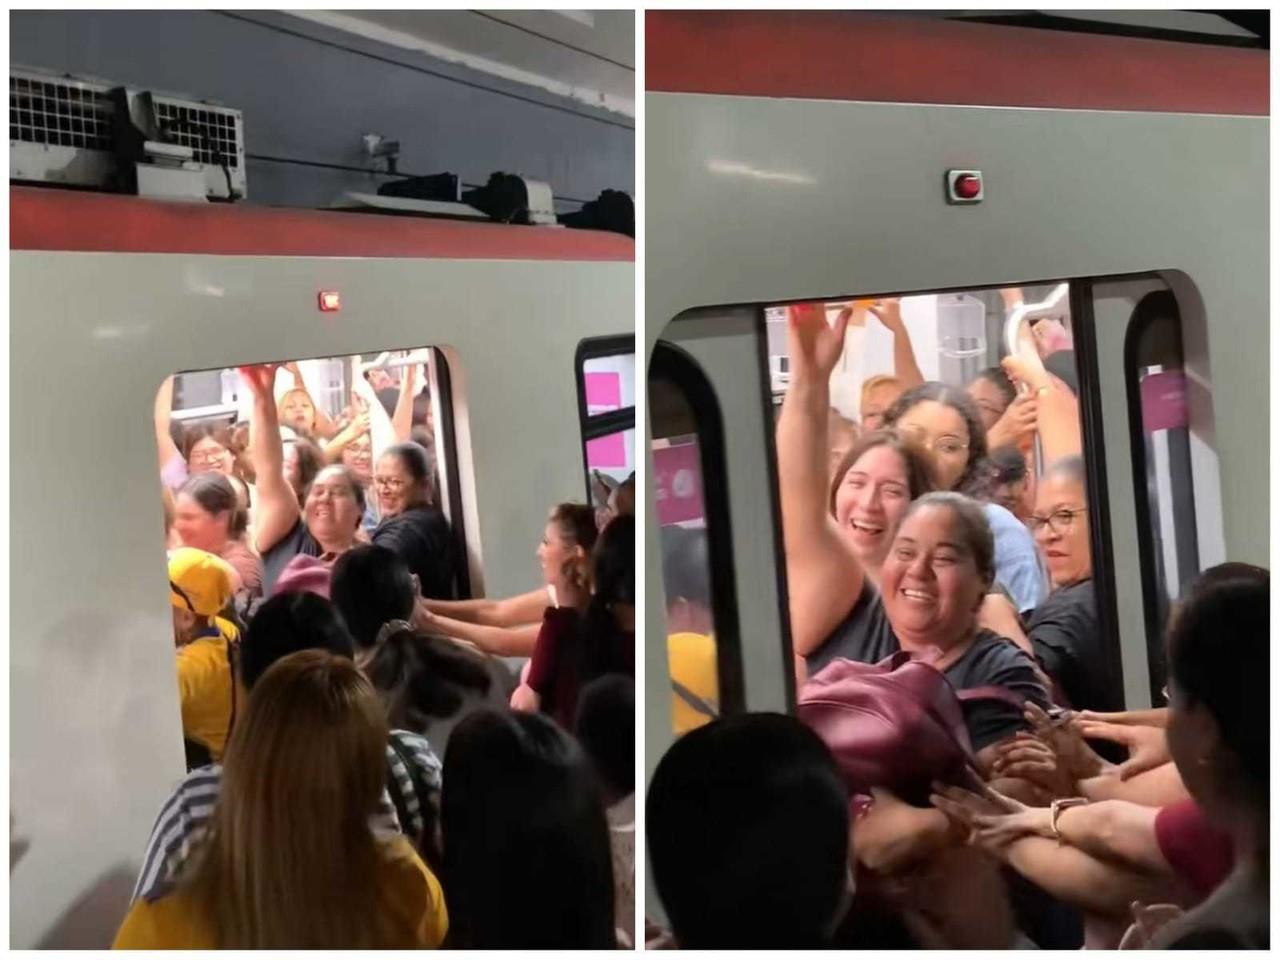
(207, 454)
(941, 432)
(358, 456)
(1064, 539)
(870, 501)
(331, 511)
(555, 552)
(394, 485)
(930, 581)
(197, 527)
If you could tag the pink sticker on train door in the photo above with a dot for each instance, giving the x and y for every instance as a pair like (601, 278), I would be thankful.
(1164, 401)
(604, 395)
(677, 483)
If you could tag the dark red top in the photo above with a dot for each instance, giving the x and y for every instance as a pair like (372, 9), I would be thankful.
(552, 670)
(1200, 853)
(555, 665)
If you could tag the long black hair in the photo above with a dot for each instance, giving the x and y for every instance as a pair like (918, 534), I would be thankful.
(527, 861)
(601, 643)
(1218, 646)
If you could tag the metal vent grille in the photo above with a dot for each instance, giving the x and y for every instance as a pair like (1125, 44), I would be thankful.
(211, 133)
(60, 113)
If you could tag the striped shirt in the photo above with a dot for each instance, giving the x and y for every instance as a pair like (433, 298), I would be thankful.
(182, 821)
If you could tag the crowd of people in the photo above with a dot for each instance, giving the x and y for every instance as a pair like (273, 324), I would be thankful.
(364, 771)
(928, 535)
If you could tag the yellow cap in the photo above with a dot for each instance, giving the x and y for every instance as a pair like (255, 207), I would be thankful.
(199, 581)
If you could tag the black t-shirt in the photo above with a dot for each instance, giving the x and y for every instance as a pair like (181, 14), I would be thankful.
(991, 660)
(1067, 639)
(296, 541)
(420, 536)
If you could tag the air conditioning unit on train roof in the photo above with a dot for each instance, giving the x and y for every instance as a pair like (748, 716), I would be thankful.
(75, 132)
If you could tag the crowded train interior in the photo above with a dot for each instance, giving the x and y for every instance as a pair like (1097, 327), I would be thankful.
(959, 487)
(348, 482)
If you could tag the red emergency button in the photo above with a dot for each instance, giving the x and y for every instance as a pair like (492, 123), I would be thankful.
(964, 186)
(968, 186)
(330, 301)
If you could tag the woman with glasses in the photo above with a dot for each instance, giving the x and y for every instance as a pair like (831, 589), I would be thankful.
(412, 526)
(1064, 629)
(322, 521)
(943, 421)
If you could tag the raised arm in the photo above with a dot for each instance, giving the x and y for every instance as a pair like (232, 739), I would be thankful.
(905, 368)
(402, 419)
(381, 432)
(824, 577)
(168, 450)
(276, 511)
(1057, 410)
(348, 435)
(325, 427)
(511, 612)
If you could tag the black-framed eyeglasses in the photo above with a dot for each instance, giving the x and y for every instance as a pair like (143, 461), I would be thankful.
(1059, 521)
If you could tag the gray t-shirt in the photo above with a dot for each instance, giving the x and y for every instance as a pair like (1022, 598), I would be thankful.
(865, 636)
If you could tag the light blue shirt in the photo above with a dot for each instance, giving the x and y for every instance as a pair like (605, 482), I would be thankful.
(1018, 567)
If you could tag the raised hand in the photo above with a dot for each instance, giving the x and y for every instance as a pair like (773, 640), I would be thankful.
(260, 378)
(814, 346)
(889, 312)
(1148, 746)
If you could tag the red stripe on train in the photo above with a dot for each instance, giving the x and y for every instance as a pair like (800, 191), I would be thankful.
(841, 55)
(54, 219)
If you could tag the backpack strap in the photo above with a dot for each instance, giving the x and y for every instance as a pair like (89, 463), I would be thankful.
(398, 799)
(693, 700)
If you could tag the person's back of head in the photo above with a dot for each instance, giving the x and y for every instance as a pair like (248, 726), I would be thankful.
(423, 678)
(1218, 645)
(604, 644)
(605, 725)
(527, 860)
(286, 624)
(290, 861)
(371, 587)
(748, 832)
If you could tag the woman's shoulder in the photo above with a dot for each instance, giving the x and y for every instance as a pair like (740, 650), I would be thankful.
(172, 922)
(412, 894)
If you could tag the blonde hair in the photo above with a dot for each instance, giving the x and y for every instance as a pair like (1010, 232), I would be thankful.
(290, 860)
(872, 383)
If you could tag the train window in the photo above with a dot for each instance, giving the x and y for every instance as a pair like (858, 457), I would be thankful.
(703, 657)
(1158, 386)
(985, 384)
(606, 372)
(215, 438)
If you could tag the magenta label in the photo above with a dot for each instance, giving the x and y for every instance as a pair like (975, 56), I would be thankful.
(1164, 401)
(677, 483)
(610, 451)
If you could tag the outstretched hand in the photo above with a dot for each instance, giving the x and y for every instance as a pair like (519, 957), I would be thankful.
(814, 345)
(992, 820)
(1148, 746)
(1063, 736)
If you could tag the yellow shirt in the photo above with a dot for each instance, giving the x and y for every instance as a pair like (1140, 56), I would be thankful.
(691, 658)
(204, 685)
(411, 898)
